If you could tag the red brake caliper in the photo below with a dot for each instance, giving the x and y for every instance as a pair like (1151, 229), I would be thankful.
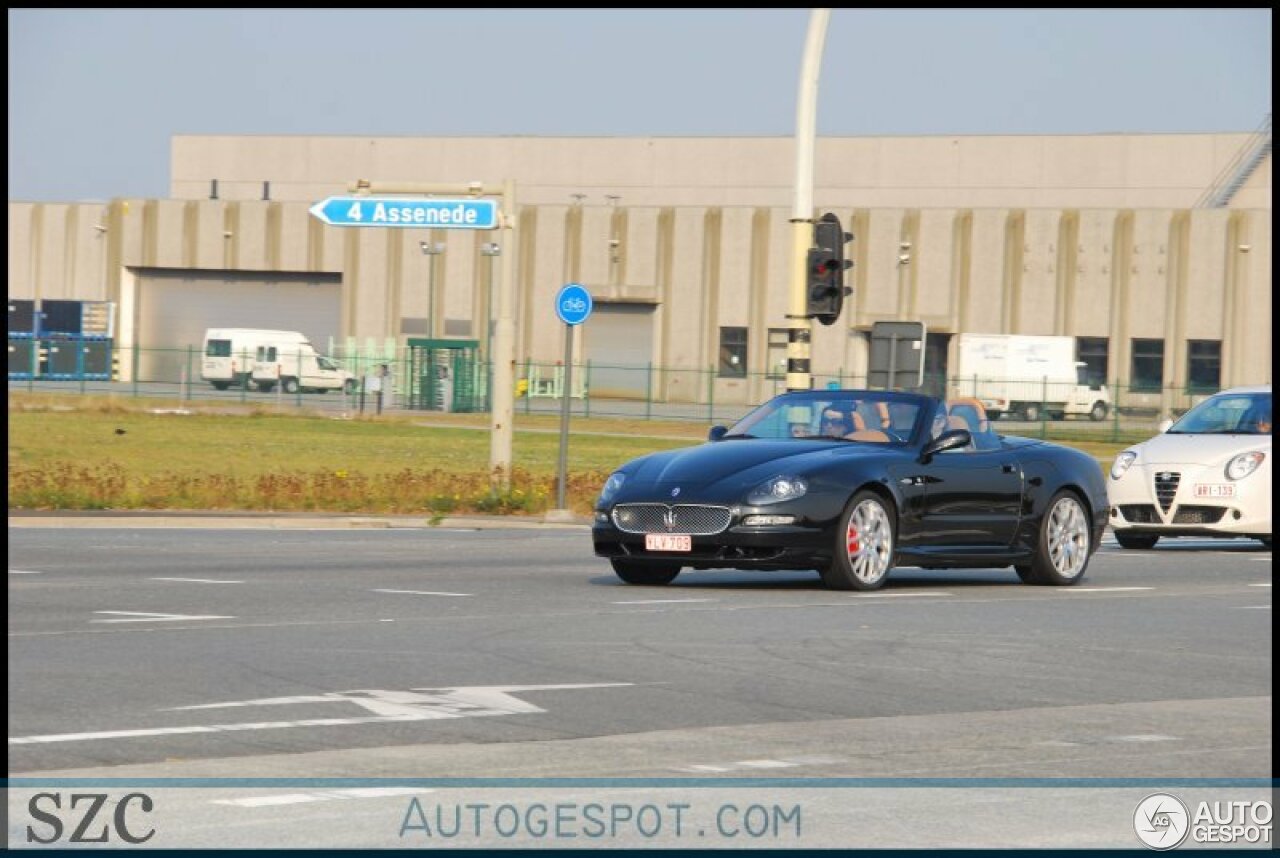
(853, 539)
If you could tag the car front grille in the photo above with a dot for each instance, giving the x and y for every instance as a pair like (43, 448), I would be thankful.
(1198, 514)
(694, 519)
(1140, 513)
(1166, 487)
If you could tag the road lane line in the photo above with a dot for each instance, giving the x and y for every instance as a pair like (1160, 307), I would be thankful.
(1253, 607)
(1267, 584)
(24, 572)
(421, 593)
(141, 617)
(198, 580)
(898, 595)
(1099, 589)
(662, 601)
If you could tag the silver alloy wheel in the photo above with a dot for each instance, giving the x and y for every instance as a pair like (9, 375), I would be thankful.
(1068, 537)
(869, 541)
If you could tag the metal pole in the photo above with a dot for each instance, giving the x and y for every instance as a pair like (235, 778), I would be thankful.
(799, 327)
(504, 347)
(566, 393)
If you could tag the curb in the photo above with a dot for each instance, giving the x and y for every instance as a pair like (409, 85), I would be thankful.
(280, 521)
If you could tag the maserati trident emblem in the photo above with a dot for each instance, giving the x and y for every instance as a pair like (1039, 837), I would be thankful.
(669, 519)
(675, 492)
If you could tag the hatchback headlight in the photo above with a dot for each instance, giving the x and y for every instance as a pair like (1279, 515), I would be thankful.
(783, 487)
(1243, 465)
(1122, 463)
(611, 487)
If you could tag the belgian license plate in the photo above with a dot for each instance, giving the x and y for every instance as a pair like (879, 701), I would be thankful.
(668, 542)
(1215, 490)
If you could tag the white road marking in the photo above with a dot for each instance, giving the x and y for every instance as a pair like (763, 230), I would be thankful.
(1145, 737)
(784, 763)
(1267, 584)
(662, 601)
(198, 580)
(270, 800)
(24, 572)
(419, 704)
(898, 595)
(422, 593)
(1253, 607)
(141, 617)
(1099, 589)
(326, 795)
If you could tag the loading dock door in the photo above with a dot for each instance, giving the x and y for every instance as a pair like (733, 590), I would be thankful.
(176, 306)
(618, 340)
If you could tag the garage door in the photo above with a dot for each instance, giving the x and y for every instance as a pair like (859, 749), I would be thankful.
(176, 306)
(618, 340)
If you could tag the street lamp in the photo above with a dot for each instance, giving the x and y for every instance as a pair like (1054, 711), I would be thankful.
(431, 249)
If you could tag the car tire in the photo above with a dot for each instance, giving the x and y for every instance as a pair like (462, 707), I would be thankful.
(645, 574)
(865, 539)
(220, 385)
(289, 385)
(349, 387)
(1098, 412)
(1266, 542)
(1062, 545)
(1137, 540)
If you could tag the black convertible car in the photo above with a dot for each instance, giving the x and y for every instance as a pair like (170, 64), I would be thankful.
(853, 483)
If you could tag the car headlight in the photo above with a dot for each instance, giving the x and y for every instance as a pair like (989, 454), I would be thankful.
(611, 487)
(1122, 463)
(1243, 465)
(783, 487)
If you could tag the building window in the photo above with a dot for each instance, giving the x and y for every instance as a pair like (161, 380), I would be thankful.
(1092, 352)
(733, 352)
(776, 359)
(1147, 371)
(1204, 366)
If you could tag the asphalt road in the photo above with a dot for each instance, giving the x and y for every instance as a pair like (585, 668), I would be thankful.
(398, 653)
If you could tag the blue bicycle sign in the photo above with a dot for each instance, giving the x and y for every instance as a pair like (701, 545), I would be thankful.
(573, 304)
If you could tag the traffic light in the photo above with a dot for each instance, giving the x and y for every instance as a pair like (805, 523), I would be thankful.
(826, 268)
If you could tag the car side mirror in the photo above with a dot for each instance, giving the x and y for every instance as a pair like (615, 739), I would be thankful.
(946, 441)
(717, 432)
(1165, 424)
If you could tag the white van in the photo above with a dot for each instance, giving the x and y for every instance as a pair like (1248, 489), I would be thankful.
(229, 353)
(296, 366)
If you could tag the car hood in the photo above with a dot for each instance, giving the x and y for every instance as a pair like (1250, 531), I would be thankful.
(1177, 449)
(746, 461)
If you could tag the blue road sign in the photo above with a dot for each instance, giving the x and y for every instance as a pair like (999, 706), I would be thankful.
(407, 212)
(573, 304)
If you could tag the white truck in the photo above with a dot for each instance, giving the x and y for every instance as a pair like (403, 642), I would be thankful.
(296, 366)
(229, 353)
(1024, 376)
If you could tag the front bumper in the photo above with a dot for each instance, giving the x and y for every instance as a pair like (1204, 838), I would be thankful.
(1179, 500)
(738, 547)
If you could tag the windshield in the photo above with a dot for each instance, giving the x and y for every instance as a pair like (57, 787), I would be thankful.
(850, 415)
(1228, 414)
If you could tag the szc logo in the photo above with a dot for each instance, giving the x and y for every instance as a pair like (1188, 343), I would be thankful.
(1161, 821)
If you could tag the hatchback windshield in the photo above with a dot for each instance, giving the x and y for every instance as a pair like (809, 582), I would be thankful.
(1228, 414)
(846, 415)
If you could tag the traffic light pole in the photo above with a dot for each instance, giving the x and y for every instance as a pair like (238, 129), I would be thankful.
(799, 327)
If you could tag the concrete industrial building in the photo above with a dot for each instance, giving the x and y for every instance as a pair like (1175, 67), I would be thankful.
(1154, 250)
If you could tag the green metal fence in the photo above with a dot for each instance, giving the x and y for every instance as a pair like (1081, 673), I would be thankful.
(416, 379)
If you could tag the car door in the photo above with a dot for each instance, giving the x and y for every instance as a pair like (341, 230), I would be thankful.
(972, 497)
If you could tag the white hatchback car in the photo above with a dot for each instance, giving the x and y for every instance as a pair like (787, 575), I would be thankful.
(1208, 474)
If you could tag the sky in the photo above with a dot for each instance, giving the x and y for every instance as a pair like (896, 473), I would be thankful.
(95, 95)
